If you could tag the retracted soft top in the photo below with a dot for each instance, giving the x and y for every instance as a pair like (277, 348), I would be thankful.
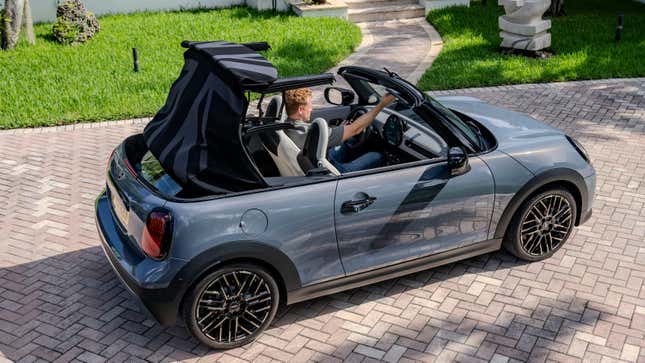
(196, 135)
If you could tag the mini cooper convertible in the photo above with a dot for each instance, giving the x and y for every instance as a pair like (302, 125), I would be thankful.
(215, 215)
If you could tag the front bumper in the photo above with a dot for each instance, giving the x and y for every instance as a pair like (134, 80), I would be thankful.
(159, 302)
(590, 183)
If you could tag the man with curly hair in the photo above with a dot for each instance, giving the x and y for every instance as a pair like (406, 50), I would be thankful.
(298, 106)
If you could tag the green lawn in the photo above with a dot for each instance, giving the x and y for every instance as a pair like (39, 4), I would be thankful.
(51, 84)
(583, 42)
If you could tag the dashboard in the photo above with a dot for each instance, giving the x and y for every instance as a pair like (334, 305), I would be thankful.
(413, 137)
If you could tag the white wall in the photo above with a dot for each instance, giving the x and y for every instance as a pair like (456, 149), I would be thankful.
(45, 10)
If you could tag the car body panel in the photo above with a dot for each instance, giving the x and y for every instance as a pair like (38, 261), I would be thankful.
(509, 177)
(536, 145)
(152, 282)
(300, 223)
(423, 216)
(418, 211)
(137, 199)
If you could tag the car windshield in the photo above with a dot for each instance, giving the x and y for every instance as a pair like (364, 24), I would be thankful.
(455, 120)
(376, 91)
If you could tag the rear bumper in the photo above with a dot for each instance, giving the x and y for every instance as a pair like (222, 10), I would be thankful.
(159, 300)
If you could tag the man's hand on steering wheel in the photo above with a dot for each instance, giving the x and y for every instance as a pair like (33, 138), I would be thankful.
(362, 121)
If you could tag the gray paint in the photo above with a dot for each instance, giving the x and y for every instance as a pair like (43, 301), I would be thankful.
(419, 210)
(510, 176)
(536, 145)
(300, 224)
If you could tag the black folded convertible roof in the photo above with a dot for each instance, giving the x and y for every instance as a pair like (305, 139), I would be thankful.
(196, 136)
(239, 63)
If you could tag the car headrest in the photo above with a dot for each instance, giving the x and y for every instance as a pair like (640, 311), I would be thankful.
(273, 107)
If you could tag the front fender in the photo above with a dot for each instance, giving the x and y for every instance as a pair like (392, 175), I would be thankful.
(550, 176)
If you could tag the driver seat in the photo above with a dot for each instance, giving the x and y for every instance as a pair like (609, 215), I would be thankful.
(314, 151)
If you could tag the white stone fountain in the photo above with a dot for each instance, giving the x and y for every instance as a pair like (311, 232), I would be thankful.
(523, 27)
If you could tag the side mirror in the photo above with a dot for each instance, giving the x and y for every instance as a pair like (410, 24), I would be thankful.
(339, 96)
(458, 161)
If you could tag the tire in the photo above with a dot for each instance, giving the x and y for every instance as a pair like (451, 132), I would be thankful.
(541, 225)
(231, 306)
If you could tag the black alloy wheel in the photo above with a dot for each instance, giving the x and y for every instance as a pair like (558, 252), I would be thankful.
(542, 225)
(232, 306)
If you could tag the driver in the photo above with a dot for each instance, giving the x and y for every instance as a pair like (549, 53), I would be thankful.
(298, 104)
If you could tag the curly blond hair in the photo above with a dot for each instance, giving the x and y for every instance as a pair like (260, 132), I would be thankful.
(296, 97)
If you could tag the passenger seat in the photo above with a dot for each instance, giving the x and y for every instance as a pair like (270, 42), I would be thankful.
(282, 149)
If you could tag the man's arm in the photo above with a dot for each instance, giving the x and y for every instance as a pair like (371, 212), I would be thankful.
(362, 122)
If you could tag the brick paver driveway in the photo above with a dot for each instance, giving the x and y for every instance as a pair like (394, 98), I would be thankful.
(59, 299)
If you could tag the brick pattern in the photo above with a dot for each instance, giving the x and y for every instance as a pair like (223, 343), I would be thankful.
(60, 301)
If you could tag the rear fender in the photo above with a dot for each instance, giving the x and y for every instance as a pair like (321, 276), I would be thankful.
(219, 255)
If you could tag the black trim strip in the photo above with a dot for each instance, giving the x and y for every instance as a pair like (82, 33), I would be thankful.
(389, 272)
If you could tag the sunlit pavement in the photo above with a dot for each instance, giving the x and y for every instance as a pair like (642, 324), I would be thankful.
(60, 300)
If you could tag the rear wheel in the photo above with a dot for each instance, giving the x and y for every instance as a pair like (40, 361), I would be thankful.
(542, 225)
(232, 306)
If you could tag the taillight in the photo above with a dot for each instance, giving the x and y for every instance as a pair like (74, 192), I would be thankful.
(129, 167)
(157, 234)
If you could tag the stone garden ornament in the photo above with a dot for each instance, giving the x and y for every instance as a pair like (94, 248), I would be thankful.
(522, 28)
(75, 25)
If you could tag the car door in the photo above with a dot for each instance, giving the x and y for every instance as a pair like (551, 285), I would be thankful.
(383, 218)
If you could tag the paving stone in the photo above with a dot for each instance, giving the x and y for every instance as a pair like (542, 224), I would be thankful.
(60, 299)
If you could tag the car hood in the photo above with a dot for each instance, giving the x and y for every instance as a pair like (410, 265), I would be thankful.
(511, 129)
(534, 144)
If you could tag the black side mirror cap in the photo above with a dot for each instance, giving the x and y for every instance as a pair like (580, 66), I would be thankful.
(458, 161)
(339, 96)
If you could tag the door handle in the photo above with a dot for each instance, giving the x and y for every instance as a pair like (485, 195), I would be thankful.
(354, 206)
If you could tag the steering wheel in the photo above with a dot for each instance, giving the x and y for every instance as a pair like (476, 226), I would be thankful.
(357, 141)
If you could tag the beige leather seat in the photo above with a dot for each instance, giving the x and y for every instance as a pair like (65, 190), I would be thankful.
(285, 156)
(314, 152)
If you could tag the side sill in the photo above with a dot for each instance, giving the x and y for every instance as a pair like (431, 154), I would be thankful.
(389, 272)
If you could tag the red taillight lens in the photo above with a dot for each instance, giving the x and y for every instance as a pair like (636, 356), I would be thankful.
(157, 233)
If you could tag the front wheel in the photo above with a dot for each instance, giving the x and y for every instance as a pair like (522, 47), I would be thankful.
(232, 306)
(541, 225)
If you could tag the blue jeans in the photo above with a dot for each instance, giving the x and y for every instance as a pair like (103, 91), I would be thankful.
(338, 157)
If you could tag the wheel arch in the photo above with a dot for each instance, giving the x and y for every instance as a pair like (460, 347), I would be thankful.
(563, 177)
(266, 256)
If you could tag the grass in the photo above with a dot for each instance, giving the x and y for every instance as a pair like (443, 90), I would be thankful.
(51, 84)
(583, 42)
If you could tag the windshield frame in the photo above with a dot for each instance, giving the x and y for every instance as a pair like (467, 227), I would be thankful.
(456, 123)
(360, 80)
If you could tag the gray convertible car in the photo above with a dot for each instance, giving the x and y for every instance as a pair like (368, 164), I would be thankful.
(215, 215)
